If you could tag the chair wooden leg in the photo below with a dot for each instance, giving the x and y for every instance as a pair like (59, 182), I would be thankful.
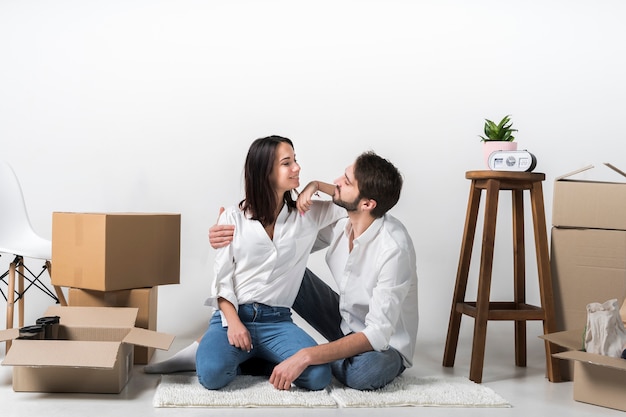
(10, 300)
(20, 294)
(57, 289)
(16, 278)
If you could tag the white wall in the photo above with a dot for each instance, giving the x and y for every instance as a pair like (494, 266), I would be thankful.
(150, 105)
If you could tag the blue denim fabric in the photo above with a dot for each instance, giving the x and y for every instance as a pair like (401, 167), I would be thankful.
(275, 337)
(318, 305)
(369, 370)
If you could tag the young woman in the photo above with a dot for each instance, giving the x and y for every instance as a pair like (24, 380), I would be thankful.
(258, 276)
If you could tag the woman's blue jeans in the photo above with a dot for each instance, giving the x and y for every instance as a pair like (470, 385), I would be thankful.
(318, 305)
(275, 337)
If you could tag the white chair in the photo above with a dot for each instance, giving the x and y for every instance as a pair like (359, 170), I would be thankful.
(18, 239)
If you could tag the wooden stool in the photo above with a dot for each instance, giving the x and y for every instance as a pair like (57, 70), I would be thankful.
(518, 310)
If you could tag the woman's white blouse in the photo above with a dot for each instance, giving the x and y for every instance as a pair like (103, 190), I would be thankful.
(257, 269)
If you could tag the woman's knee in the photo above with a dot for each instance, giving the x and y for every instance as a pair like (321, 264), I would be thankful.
(212, 375)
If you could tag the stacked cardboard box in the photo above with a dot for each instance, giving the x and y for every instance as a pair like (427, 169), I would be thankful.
(588, 259)
(117, 260)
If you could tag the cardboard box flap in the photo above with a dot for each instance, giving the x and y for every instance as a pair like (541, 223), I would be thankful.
(578, 171)
(149, 338)
(68, 353)
(9, 334)
(595, 201)
(588, 167)
(94, 316)
(592, 358)
(570, 339)
(614, 168)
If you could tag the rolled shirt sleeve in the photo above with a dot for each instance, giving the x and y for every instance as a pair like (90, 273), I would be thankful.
(388, 295)
(222, 285)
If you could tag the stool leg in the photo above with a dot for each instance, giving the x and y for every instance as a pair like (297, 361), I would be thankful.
(460, 286)
(519, 275)
(484, 281)
(545, 278)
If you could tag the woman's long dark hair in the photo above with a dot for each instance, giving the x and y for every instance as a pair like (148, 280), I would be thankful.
(260, 200)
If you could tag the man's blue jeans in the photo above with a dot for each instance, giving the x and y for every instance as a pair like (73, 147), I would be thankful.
(318, 305)
(275, 337)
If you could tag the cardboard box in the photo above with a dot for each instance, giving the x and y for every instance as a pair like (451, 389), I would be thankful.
(588, 203)
(588, 245)
(144, 299)
(94, 352)
(598, 379)
(115, 251)
(588, 265)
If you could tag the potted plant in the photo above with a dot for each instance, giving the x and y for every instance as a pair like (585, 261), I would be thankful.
(498, 137)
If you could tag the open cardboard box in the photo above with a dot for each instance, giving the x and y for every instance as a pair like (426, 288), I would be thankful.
(598, 379)
(144, 299)
(93, 352)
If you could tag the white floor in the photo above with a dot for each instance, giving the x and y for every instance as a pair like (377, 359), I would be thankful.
(527, 389)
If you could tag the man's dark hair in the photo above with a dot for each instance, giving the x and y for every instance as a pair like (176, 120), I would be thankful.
(379, 180)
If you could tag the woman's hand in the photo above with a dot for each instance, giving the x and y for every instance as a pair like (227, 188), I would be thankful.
(239, 336)
(305, 198)
(237, 333)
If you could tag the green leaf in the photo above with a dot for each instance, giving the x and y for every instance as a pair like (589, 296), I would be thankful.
(498, 132)
(503, 122)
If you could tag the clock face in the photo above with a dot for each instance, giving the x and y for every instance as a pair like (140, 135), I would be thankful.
(511, 161)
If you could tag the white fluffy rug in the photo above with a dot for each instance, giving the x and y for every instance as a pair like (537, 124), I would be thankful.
(184, 390)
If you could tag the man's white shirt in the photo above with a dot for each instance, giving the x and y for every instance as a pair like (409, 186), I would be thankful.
(377, 284)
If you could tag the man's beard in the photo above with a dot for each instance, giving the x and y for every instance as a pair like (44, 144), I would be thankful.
(349, 206)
